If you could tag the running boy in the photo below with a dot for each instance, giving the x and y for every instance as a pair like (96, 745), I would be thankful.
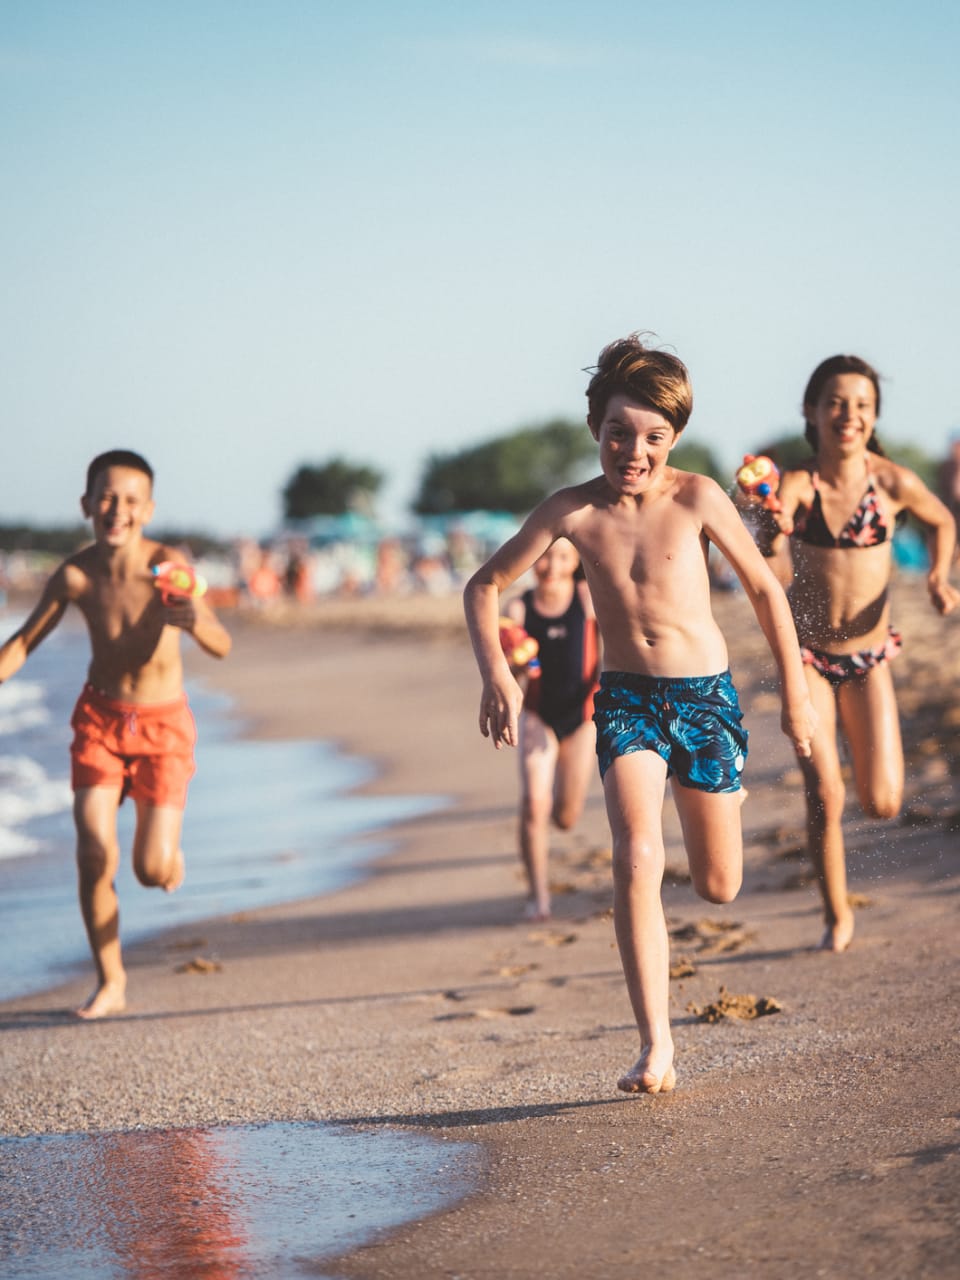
(666, 706)
(133, 731)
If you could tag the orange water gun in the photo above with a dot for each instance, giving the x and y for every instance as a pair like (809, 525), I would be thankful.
(758, 477)
(177, 581)
(519, 648)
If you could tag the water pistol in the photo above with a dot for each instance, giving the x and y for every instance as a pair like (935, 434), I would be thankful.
(520, 649)
(177, 581)
(758, 476)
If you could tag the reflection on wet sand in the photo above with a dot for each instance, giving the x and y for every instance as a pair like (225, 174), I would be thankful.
(211, 1204)
(166, 1207)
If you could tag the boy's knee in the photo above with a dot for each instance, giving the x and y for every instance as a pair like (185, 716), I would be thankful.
(152, 870)
(718, 887)
(884, 806)
(95, 858)
(565, 816)
(535, 808)
(637, 861)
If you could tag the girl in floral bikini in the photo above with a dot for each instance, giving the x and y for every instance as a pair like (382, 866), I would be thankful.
(831, 546)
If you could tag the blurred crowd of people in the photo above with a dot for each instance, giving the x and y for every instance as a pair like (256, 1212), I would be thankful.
(293, 568)
(437, 560)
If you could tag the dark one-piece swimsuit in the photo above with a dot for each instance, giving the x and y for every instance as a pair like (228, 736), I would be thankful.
(562, 696)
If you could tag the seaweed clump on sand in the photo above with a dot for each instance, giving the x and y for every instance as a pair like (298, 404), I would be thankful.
(728, 1005)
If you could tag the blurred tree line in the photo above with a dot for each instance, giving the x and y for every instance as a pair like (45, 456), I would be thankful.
(516, 470)
(511, 472)
(63, 540)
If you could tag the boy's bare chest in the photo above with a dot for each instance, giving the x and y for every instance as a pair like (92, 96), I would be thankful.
(644, 547)
(119, 613)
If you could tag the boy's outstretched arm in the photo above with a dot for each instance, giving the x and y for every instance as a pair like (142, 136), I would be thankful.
(501, 697)
(196, 617)
(45, 616)
(723, 526)
(772, 530)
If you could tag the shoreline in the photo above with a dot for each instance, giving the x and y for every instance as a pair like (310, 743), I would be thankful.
(417, 999)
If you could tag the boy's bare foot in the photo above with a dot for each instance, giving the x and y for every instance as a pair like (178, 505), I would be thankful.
(839, 935)
(648, 1075)
(535, 911)
(108, 998)
(177, 873)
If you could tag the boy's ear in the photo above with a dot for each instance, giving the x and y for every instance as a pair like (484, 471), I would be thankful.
(676, 435)
(594, 429)
(148, 512)
(85, 505)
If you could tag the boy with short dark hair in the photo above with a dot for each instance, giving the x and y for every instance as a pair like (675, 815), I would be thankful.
(133, 731)
(666, 705)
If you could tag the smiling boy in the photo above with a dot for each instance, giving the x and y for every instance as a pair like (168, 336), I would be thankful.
(666, 707)
(133, 731)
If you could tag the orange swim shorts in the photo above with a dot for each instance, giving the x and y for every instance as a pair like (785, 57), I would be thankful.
(146, 749)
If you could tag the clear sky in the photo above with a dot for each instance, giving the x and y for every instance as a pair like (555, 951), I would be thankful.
(242, 235)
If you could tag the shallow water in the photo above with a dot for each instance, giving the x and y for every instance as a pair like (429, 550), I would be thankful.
(238, 1202)
(266, 822)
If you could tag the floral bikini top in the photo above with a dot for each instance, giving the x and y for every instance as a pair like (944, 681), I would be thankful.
(867, 527)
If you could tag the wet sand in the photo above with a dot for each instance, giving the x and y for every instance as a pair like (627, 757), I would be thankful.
(822, 1138)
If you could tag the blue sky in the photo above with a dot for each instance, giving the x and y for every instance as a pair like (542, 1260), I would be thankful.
(240, 236)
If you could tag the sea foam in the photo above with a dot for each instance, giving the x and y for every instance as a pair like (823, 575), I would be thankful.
(26, 791)
(22, 706)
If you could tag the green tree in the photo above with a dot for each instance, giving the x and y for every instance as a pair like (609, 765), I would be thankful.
(510, 473)
(909, 455)
(689, 455)
(330, 489)
(787, 451)
(793, 451)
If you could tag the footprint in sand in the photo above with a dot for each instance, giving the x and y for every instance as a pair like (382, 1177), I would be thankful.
(515, 970)
(552, 939)
(714, 937)
(466, 1015)
(199, 964)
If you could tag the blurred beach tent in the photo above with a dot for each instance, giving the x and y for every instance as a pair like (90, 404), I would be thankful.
(485, 530)
(351, 526)
(486, 526)
(910, 550)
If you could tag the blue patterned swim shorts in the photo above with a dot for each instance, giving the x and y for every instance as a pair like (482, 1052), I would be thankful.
(692, 723)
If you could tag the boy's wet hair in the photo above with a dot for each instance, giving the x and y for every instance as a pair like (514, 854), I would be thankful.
(652, 377)
(832, 368)
(117, 458)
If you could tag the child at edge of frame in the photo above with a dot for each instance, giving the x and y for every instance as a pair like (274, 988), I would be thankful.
(134, 733)
(667, 707)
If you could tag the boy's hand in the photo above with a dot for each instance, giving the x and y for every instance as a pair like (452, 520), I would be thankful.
(800, 724)
(500, 705)
(180, 613)
(944, 597)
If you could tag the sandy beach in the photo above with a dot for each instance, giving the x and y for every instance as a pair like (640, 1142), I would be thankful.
(822, 1139)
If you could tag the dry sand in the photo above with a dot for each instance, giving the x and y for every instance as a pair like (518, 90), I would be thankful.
(821, 1140)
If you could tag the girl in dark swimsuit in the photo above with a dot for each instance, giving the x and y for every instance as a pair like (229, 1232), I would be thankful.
(837, 584)
(557, 735)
